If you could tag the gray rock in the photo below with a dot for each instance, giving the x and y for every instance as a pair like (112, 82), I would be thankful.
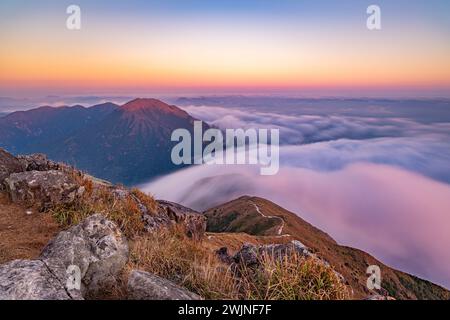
(82, 260)
(250, 254)
(281, 250)
(96, 246)
(146, 286)
(193, 221)
(8, 165)
(30, 280)
(166, 214)
(37, 162)
(153, 219)
(247, 255)
(379, 297)
(224, 256)
(43, 189)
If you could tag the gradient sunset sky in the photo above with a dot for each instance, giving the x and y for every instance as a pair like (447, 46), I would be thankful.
(314, 47)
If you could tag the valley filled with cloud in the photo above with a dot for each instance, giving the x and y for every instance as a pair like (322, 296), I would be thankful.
(378, 181)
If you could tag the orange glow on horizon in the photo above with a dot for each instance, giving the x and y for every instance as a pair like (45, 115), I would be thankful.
(220, 60)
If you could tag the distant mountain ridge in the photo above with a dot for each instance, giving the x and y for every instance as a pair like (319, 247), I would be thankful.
(35, 130)
(125, 144)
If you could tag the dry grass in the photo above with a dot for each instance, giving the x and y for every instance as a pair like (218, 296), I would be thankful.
(145, 199)
(99, 199)
(292, 277)
(171, 255)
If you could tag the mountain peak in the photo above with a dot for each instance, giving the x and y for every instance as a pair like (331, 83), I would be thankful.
(151, 109)
(145, 104)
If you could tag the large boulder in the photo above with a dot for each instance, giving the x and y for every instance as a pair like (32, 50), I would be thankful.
(79, 262)
(43, 189)
(146, 286)
(96, 248)
(30, 280)
(8, 165)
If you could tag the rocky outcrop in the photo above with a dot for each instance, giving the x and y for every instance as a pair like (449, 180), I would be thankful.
(79, 262)
(34, 181)
(38, 162)
(8, 165)
(193, 221)
(250, 255)
(30, 280)
(43, 189)
(146, 286)
(164, 214)
(96, 246)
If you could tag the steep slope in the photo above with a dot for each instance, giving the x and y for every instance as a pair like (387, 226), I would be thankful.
(130, 145)
(41, 129)
(24, 230)
(260, 217)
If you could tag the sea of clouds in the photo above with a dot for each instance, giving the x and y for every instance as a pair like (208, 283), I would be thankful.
(379, 182)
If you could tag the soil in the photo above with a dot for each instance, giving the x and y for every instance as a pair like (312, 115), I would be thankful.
(23, 232)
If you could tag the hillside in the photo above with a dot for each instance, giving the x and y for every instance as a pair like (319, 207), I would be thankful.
(262, 218)
(54, 214)
(56, 221)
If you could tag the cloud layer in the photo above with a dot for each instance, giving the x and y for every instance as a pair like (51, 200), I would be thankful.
(400, 217)
(378, 181)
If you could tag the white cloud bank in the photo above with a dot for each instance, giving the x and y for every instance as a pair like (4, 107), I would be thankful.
(400, 217)
(379, 181)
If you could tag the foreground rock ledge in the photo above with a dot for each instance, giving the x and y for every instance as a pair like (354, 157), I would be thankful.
(95, 250)
(42, 188)
(146, 286)
(30, 280)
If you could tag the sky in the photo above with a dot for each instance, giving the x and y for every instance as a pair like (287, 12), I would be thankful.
(315, 47)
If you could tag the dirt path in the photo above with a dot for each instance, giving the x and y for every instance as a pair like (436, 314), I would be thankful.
(280, 228)
(23, 234)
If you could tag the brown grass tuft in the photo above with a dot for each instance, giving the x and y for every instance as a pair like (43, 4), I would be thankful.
(100, 199)
(292, 277)
(171, 255)
(145, 199)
